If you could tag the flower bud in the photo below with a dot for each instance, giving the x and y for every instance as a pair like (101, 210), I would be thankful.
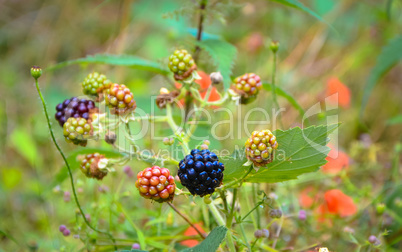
(136, 246)
(36, 72)
(216, 78)
(258, 234)
(380, 208)
(372, 239)
(265, 233)
(110, 137)
(274, 46)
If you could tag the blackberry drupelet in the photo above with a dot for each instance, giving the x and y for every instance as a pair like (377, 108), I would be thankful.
(201, 172)
(76, 108)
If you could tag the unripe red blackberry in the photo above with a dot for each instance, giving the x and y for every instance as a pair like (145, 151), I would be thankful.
(95, 83)
(94, 166)
(201, 172)
(260, 147)
(181, 63)
(247, 86)
(77, 131)
(156, 183)
(74, 107)
(120, 99)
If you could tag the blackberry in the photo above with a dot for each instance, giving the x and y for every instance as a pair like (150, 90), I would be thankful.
(260, 147)
(247, 86)
(91, 166)
(95, 83)
(77, 131)
(201, 172)
(181, 63)
(120, 99)
(156, 183)
(74, 107)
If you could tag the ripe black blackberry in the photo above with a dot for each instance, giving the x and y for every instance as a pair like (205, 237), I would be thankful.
(201, 172)
(74, 107)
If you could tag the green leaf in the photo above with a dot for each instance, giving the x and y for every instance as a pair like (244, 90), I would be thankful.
(223, 55)
(24, 144)
(298, 5)
(300, 151)
(212, 242)
(286, 95)
(395, 120)
(74, 164)
(10, 177)
(389, 56)
(117, 60)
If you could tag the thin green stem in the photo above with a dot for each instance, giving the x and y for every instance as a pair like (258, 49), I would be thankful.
(274, 89)
(256, 206)
(245, 237)
(68, 167)
(221, 222)
(186, 219)
(241, 180)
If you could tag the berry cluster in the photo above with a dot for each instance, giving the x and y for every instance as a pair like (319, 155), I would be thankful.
(90, 166)
(247, 86)
(74, 107)
(156, 183)
(260, 147)
(120, 99)
(64, 230)
(77, 131)
(181, 63)
(275, 213)
(95, 83)
(201, 172)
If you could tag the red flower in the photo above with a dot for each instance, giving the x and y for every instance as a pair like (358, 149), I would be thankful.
(191, 232)
(334, 85)
(204, 83)
(336, 164)
(336, 203)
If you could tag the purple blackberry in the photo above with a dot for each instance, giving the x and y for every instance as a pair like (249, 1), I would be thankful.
(74, 107)
(201, 172)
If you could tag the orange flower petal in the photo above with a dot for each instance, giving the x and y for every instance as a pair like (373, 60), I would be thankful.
(205, 81)
(306, 199)
(335, 165)
(339, 203)
(334, 85)
(190, 232)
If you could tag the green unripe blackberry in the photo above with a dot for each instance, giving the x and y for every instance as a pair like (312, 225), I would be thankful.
(181, 63)
(120, 99)
(247, 86)
(77, 131)
(156, 183)
(94, 166)
(95, 83)
(260, 147)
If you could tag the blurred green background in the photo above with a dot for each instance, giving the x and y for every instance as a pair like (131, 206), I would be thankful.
(44, 33)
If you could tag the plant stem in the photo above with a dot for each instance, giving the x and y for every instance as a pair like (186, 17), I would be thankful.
(186, 219)
(241, 180)
(244, 236)
(68, 167)
(203, 5)
(274, 89)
